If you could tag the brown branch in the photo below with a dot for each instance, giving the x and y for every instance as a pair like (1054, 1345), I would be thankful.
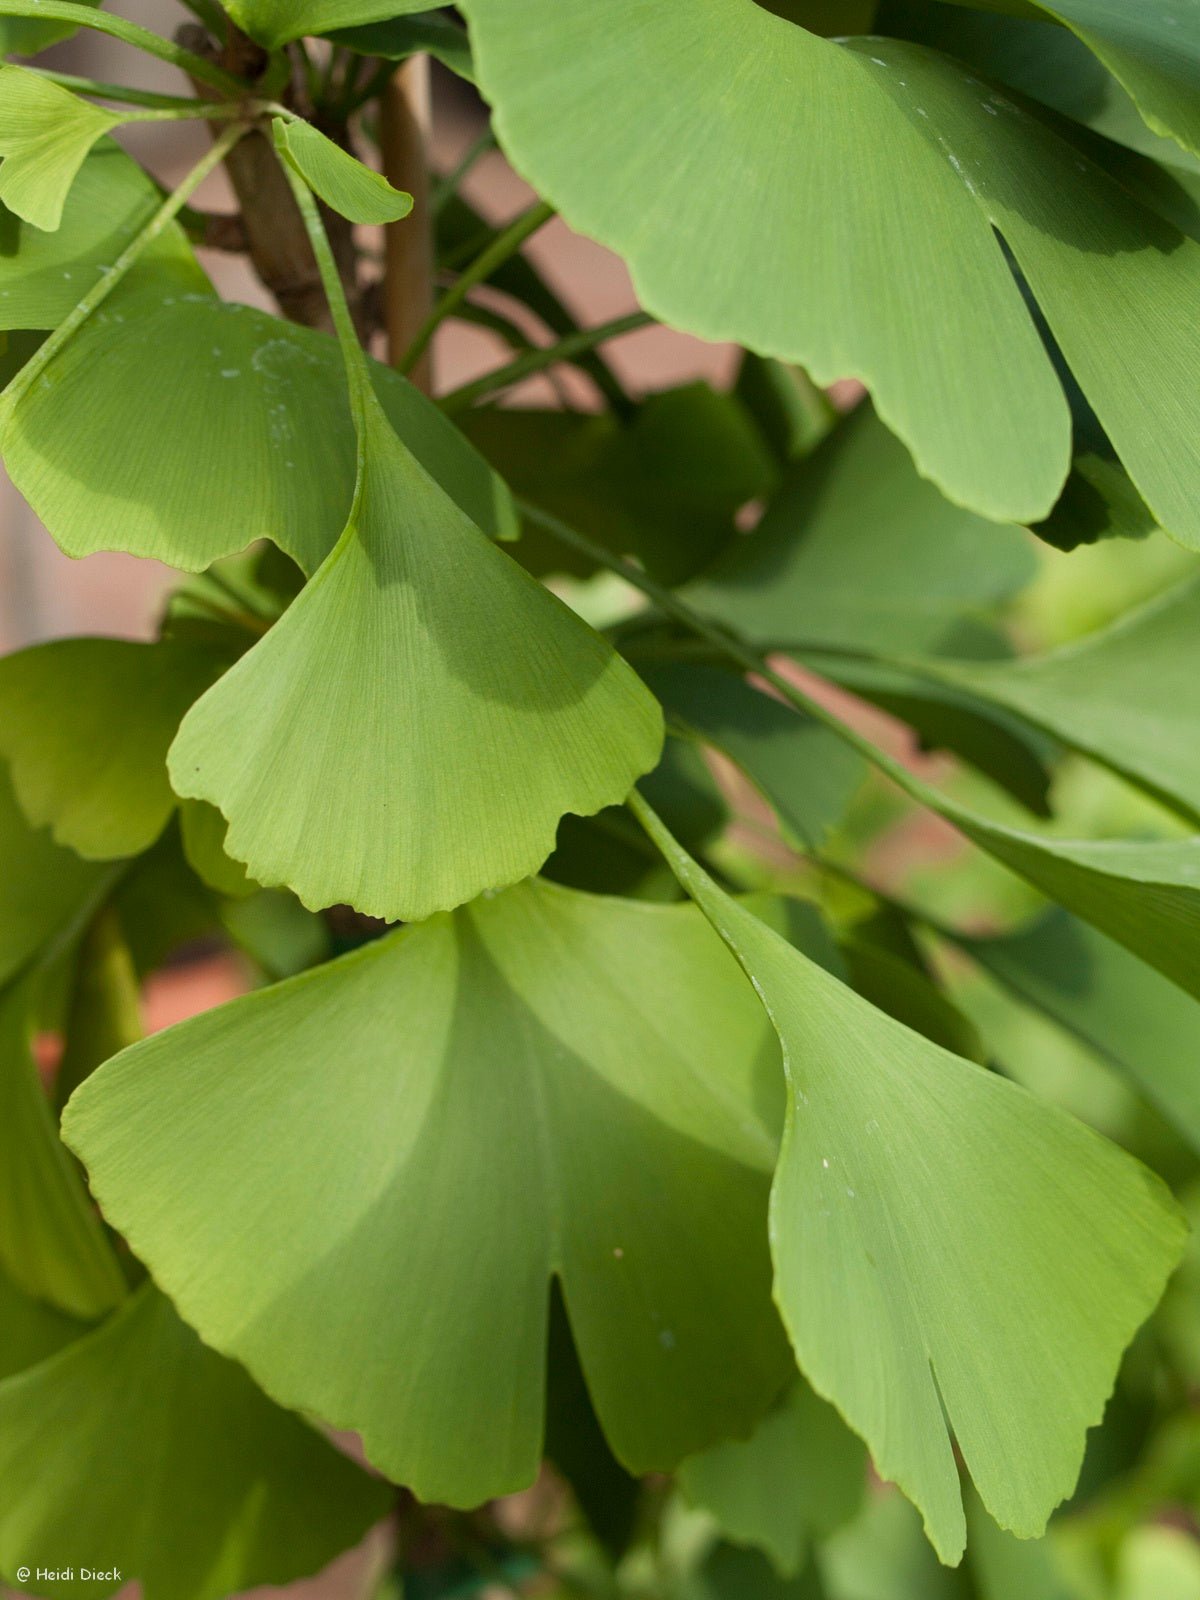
(409, 264)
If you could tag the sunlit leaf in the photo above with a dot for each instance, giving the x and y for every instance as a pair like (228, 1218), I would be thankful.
(43, 276)
(800, 1475)
(160, 1460)
(994, 1257)
(45, 135)
(274, 22)
(472, 707)
(52, 1243)
(860, 186)
(342, 181)
(546, 1083)
(85, 725)
(855, 550)
(114, 446)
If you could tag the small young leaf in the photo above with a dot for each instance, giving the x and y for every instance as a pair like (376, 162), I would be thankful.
(52, 1243)
(545, 1083)
(85, 725)
(46, 133)
(994, 1257)
(342, 181)
(160, 1460)
(455, 706)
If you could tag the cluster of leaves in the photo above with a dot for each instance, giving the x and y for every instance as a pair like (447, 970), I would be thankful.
(611, 1140)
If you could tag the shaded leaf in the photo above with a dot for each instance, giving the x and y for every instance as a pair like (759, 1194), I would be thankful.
(43, 276)
(342, 181)
(202, 830)
(104, 1013)
(472, 708)
(1004, 1567)
(85, 725)
(994, 1256)
(546, 1083)
(52, 1242)
(799, 1476)
(45, 135)
(30, 1330)
(139, 1421)
(45, 891)
(396, 40)
(21, 37)
(855, 551)
(903, 989)
(881, 174)
(1143, 1025)
(806, 773)
(883, 1556)
(114, 447)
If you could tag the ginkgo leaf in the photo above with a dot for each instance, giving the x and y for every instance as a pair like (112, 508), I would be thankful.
(43, 276)
(800, 1475)
(803, 770)
(52, 1242)
(1128, 695)
(400, 37)
(1143, 1025)
(45, 135)
(861, 185)
(21, 37)
(30, 1330)
(545, 1083)
(350, 188)
(994, 1257)
(45, 890)
(85, 725)
(276, 22)
(202, 830)
(113, 448)
(472, 706)
(158, 1461)
(856, 551)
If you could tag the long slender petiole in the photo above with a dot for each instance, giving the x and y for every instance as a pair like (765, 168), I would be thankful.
(535, 361)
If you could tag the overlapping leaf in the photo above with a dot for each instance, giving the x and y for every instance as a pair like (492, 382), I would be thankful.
(160, 1460)
(52, 1243)
(85, 725)
(799, 1476)
(114, 446)
(473, 708)
(994, 1257)
(1128, 695)
(545, 1083)
(275, 22)
(860, 186)
(400, 37)
(19, 37)
(45, 890)
(43, 276)
(855, 551)
(46, 133)
(353, 190)
(30, 1330)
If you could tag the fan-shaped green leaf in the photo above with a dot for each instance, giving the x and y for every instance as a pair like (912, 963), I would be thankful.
(85, 725)
(544, 1083)
(472, 707)
(19, 37)
(275, 22)
(856, 551)
(338, 177)
(45, 891)
(860, 185)
(114, 448)
(804, 771)
(1128, 695)
(994, 1256)
(30, 1330)
(43, 276)
(1146, 1027)
(800, 1475)
(45, 135)
(52, 1243)
(160, 1460)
